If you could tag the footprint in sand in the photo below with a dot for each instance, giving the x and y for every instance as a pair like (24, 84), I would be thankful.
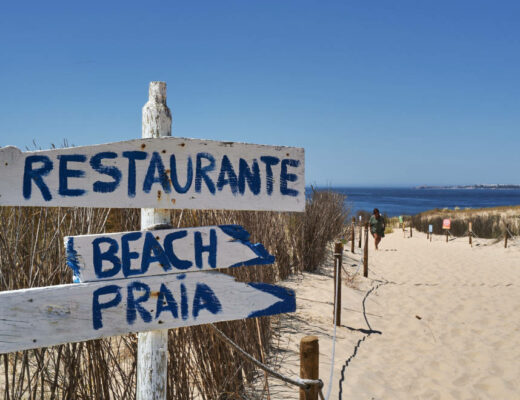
(461, 380)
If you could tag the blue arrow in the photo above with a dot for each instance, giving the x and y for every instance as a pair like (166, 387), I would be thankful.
(238, 233)
(286, 304)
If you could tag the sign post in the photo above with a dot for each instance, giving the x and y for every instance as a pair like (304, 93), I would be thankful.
(158, 278)
(152, 346)
(446, 225)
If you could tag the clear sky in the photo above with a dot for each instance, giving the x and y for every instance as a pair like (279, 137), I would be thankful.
(378, 93)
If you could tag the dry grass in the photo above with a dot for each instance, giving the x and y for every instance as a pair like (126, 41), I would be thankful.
(487, 223)
(200, 365)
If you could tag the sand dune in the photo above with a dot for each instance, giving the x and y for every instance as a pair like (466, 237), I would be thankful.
(448, 316)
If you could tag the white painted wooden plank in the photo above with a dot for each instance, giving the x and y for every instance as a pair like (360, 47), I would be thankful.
(162, 172)
(41, 317)
(133, 254)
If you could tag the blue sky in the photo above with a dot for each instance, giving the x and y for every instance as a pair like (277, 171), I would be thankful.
(378, 93)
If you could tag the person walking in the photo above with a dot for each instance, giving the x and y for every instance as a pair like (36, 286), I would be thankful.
(377, 227)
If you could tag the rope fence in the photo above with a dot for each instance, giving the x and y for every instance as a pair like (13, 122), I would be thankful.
(305, 384)
(345, 265)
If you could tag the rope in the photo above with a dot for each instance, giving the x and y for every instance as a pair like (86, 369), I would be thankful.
(513, 237)
(331, 375)
(358, 344)
(304, 384)
(358, 265)
(157, 227)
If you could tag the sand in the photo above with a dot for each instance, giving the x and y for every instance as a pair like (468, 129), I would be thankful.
(448, 317)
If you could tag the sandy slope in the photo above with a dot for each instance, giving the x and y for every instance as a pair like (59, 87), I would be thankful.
(449, 317)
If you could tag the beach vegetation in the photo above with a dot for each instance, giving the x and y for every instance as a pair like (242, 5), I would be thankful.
(201, 365)
(489, 223)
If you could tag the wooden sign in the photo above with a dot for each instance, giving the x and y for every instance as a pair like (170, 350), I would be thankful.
(430, 228)
(446, 223)
(156, 173)
(133, 254)
(41, 317)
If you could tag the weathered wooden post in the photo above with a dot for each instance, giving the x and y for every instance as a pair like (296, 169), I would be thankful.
(152, 346)
(447, 234)
(470, 233)
(309, 365)
(411, 232)
(360, 231)
(505, 237)
(353, 234)
(338, 260)
(404, 229)
(365, 253)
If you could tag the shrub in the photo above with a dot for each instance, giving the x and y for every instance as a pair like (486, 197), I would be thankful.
(324, 220)
(488, 226)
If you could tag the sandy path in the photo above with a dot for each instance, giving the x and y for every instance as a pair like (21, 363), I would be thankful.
(448, 315)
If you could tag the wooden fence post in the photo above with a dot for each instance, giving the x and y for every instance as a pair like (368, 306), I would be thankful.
(360, 232)
(506, 235)
(447, 233)
(353, 234)
(365, 253)
(411, 232)
(338, 260)
(152, 346)
(309, 365)
(404, 229)
(470, 233)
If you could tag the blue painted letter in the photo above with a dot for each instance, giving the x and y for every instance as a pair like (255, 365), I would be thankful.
(165, 301)
(168, 248)
(252, 178)
(109, 255)
(156, 164)
(133, 305)
(97, 306)
(227, 169)
(151, 245)
(202, 172)
(205, 298)
(175, 178)
(30, 174)
(269, 163)
(284, 177)
(127, 255)
(66, 173)
(113, 172)
(132, 156)
(211, 249)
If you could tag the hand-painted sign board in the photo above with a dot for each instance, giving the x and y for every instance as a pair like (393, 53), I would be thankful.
(446, 223)
(41, 317)
(156, 173)
(133, 254)
(430, 228)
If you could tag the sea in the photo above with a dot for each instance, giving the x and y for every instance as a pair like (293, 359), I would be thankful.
(397, 201)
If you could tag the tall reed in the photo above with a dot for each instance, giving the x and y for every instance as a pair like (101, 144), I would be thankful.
(484, 225)
(200, 365)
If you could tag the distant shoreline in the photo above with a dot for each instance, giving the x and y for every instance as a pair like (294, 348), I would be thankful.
(481, 186)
